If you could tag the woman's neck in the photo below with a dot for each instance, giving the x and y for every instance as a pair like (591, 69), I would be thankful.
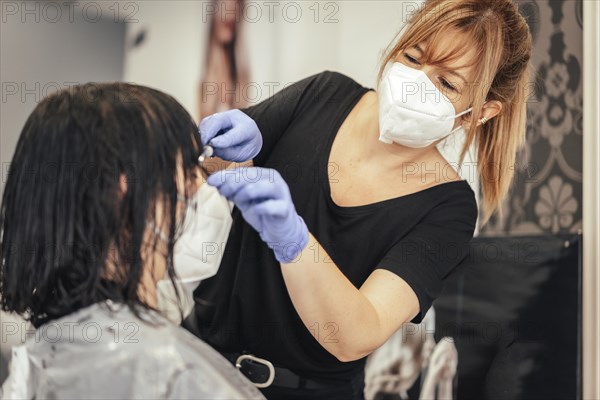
(153, 269)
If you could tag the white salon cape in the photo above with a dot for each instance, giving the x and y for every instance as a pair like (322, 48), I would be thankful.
(105, 352)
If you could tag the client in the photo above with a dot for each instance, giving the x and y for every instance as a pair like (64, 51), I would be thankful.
(96, 197)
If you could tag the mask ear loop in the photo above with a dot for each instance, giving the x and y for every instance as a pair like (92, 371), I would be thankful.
(468, 110)
(157, 231)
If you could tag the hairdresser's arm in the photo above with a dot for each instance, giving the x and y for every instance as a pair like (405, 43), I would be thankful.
(214, 164)
(349, 322)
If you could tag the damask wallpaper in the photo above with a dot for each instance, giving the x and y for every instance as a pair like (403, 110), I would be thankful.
(547, 190)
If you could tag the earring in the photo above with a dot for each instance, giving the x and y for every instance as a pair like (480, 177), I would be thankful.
(483, 120)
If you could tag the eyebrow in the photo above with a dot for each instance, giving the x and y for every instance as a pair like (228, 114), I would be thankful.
(457, 74)
(451, 72)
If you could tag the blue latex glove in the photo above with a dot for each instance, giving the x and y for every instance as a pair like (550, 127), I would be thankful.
(266, 204)
(233, 135)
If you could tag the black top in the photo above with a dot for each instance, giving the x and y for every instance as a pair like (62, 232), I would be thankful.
(421, 236)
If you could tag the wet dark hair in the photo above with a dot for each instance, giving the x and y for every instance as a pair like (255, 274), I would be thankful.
(63, 215)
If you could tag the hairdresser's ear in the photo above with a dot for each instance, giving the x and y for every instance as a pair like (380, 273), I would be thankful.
(490, 110)
(122, 186)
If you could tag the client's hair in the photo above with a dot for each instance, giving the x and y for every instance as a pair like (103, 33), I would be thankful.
(64, 216)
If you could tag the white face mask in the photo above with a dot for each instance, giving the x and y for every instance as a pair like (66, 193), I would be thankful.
(412, 111)
(198, 251)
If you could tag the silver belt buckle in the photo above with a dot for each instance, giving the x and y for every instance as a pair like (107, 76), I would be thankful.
(238, 364)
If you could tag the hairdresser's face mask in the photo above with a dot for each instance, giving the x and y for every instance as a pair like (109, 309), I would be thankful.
(412, 111)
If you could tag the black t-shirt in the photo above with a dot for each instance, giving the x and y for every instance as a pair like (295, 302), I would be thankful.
(421, 236)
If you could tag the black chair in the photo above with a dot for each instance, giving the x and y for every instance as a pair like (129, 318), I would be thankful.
(513, 308)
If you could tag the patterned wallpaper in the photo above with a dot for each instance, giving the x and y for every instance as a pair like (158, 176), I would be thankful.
(547, 191)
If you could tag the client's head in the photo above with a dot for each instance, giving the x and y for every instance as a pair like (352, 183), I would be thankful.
(94, 198)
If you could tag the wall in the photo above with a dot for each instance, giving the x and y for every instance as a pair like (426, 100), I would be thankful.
(43, 50)
(547, 194)
(591, 203)
(285, 42)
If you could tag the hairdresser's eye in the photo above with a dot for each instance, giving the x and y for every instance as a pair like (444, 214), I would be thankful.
(411, 59)
(447, 85)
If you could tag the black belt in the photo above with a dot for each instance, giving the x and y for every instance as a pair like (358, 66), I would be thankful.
(263, 373)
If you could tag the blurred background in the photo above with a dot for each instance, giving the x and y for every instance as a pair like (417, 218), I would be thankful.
(217, 55)
(243, 51)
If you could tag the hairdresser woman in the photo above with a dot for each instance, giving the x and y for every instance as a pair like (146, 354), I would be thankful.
(350, 218)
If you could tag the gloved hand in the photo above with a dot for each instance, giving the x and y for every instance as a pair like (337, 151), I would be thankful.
(266, 204)
(233, 135)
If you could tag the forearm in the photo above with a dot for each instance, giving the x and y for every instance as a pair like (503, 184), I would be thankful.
(340, 317)
(348, 322)
(215, 164)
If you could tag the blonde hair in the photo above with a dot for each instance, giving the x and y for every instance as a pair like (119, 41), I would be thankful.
(502, 42)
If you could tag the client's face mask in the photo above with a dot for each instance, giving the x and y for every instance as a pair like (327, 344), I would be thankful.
(198, 251)
(412, 111)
